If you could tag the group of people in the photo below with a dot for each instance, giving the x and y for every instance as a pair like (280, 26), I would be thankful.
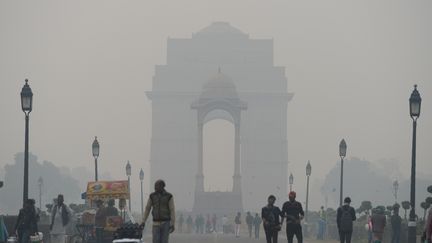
(210, 224)
(26, 224)
(161, 205)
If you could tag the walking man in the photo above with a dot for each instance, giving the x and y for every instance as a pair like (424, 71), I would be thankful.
(271, 218)
(180, 223)
(60, 217)
(378, 224)
(345, 217)
(396, 222)
(189, 223)
(237, 222)
(293, 212)
(257, 222)
(161, 204)
(249, 222)
(26, 224)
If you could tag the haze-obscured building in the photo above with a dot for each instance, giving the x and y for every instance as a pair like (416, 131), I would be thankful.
(220, 73)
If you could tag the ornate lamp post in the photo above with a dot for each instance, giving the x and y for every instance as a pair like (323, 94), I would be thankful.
(415, 105)
(308, 173)
(395, 189)
(342, 154)
(141, 176)
(129, 173)
(27, 106)
(40, 184)
(291, 181)
(95, 151)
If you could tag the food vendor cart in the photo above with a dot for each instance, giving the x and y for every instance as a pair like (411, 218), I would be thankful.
(104, 190)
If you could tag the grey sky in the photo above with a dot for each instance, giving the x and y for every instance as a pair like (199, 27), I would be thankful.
(351, 65)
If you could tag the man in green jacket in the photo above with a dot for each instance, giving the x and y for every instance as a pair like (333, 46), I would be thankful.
(161, 204)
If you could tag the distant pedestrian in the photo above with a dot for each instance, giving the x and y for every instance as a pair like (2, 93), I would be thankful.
(249, 221)
(345, 217)
(292, 210)
(321, 224)
(161, 205)
(180, 223)
(237, 222)
(60, 218)
(271, 216)
(189, 224)
(225, 224)
(369, 226)
(396, 223)
(26, 224)
(214, 222)
(197, 224)
(378, 224)
(257, 223)
(208, 224)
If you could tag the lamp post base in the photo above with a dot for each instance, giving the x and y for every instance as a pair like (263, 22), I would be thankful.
(412, 232)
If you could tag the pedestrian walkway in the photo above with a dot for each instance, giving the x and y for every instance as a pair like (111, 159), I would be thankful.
(219, 238)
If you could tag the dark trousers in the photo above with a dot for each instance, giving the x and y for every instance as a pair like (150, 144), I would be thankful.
(250, 230)
(345, 236)
(24, 236)
(294, 229)
(257, 228)
(271, 235)
(395, 236)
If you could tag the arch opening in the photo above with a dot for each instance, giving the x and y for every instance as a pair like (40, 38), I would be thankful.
(218, 155)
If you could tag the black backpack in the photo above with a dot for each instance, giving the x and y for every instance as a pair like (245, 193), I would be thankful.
(346, 222)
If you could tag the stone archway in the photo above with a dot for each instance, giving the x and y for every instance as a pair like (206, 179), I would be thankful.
(219, 93)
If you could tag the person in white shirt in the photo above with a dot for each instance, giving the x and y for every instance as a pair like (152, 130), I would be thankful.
(60, 217)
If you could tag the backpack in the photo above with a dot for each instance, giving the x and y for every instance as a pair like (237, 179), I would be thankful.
(346, 222)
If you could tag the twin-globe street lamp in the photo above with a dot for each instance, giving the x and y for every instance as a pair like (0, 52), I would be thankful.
(308, 173)
(95, 152)
(26, 106)
(291, 181)
(141, 177)
(415, 105)
(342, 154)
(129, 173)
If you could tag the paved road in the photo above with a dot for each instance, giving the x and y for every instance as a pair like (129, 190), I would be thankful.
(217, 238)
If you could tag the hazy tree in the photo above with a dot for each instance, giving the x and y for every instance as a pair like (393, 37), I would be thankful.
(429, 189)
(406, 205)
(429, 200)
(366, 206)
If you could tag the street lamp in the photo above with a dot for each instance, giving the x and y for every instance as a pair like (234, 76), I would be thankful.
(415, 105)
(26, 106)
(308, 173)
(129, 173)
(40, 184)
(95, 151)
(141, 176)
(395, 189)
(342, 154)
(291, 181)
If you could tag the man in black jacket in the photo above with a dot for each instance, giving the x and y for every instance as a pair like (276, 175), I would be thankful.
(345, 217)
(292, 210)
(161, 205)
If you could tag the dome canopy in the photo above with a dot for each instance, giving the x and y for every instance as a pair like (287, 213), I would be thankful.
(220, 28)
(220, 86)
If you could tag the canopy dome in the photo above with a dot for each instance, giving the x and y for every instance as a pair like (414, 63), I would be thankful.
(219, 86)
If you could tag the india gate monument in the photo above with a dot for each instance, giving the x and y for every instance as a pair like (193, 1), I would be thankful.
(220, 73)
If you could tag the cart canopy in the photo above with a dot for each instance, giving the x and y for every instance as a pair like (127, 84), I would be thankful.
(107, 190)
